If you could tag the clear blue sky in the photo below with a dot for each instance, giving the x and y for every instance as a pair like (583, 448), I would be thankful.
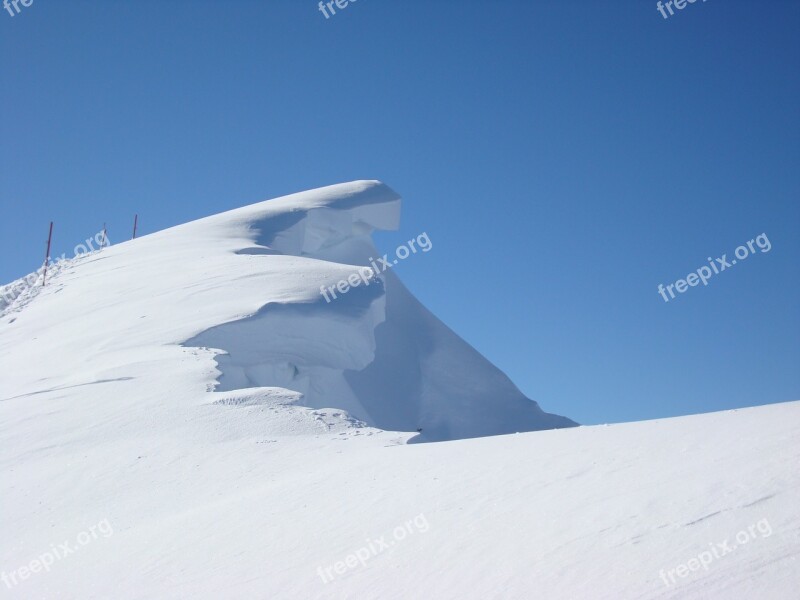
(565, 158)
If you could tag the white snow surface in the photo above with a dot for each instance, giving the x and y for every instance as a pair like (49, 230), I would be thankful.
(246, 284)
(192, 397)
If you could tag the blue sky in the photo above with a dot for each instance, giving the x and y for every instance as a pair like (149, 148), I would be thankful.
(565, 158)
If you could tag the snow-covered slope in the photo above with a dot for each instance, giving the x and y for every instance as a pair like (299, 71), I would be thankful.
(184, 416)
(246, 284)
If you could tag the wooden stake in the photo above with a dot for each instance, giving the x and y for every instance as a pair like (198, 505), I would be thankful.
(47, 254)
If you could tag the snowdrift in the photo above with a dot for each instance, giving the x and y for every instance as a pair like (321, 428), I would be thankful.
(246, 285)
(191, 419)
(375, 351)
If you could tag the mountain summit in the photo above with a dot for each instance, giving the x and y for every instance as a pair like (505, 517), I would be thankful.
(287, 298)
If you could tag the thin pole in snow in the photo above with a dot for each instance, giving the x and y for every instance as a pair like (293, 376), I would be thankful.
(135, 223)
(47, 254)
(104, 243)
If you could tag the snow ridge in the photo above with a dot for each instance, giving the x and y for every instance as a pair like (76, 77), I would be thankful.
(375, 352)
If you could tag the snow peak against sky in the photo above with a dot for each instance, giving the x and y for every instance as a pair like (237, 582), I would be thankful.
(293, 432)
(505, 180)
(260, 388)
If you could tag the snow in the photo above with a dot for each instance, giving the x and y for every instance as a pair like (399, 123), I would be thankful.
(246, 284)
(240, 435)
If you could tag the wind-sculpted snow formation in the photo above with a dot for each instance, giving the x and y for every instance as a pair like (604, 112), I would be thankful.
(194, 393)
(244, 286)
(375, 351)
